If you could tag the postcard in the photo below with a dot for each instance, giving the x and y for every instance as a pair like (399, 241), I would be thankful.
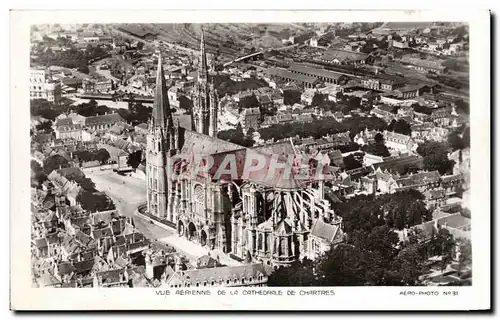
(250, 160)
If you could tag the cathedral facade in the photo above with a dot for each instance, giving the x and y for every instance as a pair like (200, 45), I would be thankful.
(256, 218)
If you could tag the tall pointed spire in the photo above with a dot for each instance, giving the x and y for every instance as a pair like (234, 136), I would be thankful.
(162, 116)
(203, 71)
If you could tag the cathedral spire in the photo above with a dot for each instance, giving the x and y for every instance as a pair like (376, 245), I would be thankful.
(203, 71)
(162, 116)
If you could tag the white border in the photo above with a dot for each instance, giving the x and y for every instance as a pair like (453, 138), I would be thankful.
(23, 297)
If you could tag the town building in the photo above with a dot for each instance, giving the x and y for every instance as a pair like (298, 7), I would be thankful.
(398, 141)
(344, 57)
(250, 118)
(324, 75)
(42, 86)
(103, 122)
(288, 76)
(424, 65)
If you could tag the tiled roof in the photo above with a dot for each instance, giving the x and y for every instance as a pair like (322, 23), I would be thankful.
(400, 164)
(41, 243)
(282, 73)
(207, 261)
(419, 179)
(423, 63)
(65, 268)
(196, 143)
(64, 122)
(103, 119)
(225, 273)
(83, 238)
(111, 276)
(343, 55)
(102, 233)
(83, 266)
(324, 230)
(455, 220)
(315, 72)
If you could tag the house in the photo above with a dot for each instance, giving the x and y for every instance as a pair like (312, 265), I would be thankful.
(249, 275)
(385, 181)
(422, 131)
(250, 118)
(288, 76)
(383, 114)
(458, 225)
(71, 131)
(400, 164)
(407, 92)
(336, 158)
(435, 198)
(365, 137)
(421, 181)
(323, 237)
(424, 65)
(398, 141)
(344, 57)
(398, 44)
(141, 128)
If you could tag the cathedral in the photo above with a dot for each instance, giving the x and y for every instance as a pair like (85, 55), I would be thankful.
(274, 220)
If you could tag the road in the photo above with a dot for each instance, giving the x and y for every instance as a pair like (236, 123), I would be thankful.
(128, 193)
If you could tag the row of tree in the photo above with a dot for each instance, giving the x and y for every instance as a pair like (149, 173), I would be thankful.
(237, 136)
(102, 155)
(319, 128)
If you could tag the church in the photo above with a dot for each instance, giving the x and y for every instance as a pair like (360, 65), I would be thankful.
(274, 219)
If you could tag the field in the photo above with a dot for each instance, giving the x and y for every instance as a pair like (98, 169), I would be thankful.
(407, 25)
(227, 39)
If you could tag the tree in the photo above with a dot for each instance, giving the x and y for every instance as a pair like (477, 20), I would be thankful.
(455, 141)
(443, 244)
(435, 157)
(318, 99)
(291, 97)
(367, 48)
(407, 267)
(465, 256)
(400, 126)
(351, 163)
(37, 174)
(134, 159)
(297, 274)
(405, 209)
(84, 156)
(462, 106)
(466, 137)
(94, 201)
(102, 155)
(54, 162)
(237, 136)
(35, 166)
(378, 138)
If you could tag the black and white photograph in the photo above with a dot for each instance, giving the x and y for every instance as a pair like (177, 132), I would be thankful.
(253, 157)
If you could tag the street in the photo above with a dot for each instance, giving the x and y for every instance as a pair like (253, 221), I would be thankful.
(128, 193)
